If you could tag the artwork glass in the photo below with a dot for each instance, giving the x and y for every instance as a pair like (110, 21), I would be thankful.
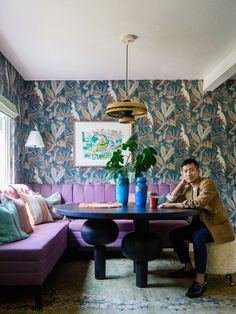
(94, 142)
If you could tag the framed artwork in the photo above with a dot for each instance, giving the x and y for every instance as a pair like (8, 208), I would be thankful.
(94, 142)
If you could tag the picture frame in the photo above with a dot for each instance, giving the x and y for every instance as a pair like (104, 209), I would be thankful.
(94, 142)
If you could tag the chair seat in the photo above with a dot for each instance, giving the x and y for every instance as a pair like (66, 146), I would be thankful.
(221, 258)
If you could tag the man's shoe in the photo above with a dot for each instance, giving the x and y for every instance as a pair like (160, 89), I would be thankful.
(196, 290)
(181, 273)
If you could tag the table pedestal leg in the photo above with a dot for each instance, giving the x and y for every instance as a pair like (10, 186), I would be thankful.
(99, 232)
(100, 261)
(141, 246)
(141, 274)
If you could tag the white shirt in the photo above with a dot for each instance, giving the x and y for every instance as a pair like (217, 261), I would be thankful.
(172, 198)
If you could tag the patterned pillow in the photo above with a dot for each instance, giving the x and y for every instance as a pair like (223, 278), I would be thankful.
(10, 230)
(37, 208)
(12, 190)
(54, 199)
(22, 213)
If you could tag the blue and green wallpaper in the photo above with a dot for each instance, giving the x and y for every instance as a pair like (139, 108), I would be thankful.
(181, 122)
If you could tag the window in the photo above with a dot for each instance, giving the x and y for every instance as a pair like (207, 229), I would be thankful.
(8, 111)
(5, 149)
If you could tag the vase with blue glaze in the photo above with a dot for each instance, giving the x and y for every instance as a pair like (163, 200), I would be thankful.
(122, 190)
(140, 191)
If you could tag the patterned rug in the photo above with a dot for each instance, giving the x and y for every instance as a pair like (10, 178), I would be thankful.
(71, 288)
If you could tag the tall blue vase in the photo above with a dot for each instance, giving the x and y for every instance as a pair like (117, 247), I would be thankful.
(140, 192)
(122, 190)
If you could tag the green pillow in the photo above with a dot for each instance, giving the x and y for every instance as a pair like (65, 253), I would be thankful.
(10, 230)
(54, 199)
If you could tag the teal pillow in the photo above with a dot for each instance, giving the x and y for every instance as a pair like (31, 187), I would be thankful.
(10, 230)
(54, 199)
(161, 199)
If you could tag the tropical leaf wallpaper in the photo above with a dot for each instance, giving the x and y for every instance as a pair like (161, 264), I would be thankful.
(181, 123)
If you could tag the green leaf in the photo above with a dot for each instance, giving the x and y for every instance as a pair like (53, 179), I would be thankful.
(116, 160)
(130, 144)
(143, 159)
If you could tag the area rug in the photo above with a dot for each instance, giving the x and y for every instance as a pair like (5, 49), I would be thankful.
(71, 288)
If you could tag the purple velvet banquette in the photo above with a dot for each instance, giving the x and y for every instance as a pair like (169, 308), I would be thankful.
(29, 261)
(80, 193)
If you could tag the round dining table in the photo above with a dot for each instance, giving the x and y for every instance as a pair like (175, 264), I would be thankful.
(100, 230)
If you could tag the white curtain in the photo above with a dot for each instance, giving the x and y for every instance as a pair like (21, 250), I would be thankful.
(7, 107)
(8, 158)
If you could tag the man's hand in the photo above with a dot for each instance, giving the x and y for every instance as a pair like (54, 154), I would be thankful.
(183, 183)
(171, 205)
(179, 188)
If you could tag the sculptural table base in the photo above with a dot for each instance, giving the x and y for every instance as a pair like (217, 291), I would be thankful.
(99, 232)
(141, 246)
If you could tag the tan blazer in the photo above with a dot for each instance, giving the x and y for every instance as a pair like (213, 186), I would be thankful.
(214, 214)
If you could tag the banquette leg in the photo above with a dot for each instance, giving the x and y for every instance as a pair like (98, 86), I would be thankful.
(38, 297)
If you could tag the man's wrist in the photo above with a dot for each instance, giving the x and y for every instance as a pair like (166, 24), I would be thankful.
(182, 184)
(171, 198)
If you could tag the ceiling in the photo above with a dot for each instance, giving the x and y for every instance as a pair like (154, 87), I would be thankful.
(80, 39)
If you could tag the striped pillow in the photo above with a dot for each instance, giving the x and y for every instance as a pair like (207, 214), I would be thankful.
(37, 208)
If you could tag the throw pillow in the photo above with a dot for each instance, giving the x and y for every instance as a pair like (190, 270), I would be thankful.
(10, 230)
(54, 199)
(13, 190)
(22, 213)
(37, 208)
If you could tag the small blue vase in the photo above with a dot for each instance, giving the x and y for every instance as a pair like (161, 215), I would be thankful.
(140, 192)
(122, 190)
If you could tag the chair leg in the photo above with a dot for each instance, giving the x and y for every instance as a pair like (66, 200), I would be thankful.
(38, 297)
(231, 282)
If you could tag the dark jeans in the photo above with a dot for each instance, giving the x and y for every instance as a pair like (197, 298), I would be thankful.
(197, 233)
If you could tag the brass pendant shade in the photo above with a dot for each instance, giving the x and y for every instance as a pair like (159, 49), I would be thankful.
(126, 111)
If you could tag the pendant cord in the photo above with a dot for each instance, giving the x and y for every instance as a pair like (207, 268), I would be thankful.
(126, 77)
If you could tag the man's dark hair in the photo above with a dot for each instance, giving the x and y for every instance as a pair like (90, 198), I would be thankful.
(190, 161)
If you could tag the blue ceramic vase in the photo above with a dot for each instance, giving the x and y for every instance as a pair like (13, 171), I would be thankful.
(140, 192)
(122, 190)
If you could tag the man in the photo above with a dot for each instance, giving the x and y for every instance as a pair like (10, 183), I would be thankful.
(212, 224)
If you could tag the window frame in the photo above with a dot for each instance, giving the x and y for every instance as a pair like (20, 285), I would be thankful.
(6, 152)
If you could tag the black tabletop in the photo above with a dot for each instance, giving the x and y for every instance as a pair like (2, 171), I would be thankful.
(128, 212)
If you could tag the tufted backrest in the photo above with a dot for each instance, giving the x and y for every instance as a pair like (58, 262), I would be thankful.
(78, 193)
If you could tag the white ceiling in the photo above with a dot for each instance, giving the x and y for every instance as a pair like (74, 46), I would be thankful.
(80, 39)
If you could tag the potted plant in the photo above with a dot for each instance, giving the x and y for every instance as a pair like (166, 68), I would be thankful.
(129, 162)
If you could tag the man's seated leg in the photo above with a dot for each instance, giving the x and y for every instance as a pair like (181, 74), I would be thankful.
(178, 239)
(199, 238)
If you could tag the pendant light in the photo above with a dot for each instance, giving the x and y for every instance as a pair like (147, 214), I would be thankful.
(126, 111)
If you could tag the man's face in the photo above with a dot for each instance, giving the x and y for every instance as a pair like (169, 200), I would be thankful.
(190, 173)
